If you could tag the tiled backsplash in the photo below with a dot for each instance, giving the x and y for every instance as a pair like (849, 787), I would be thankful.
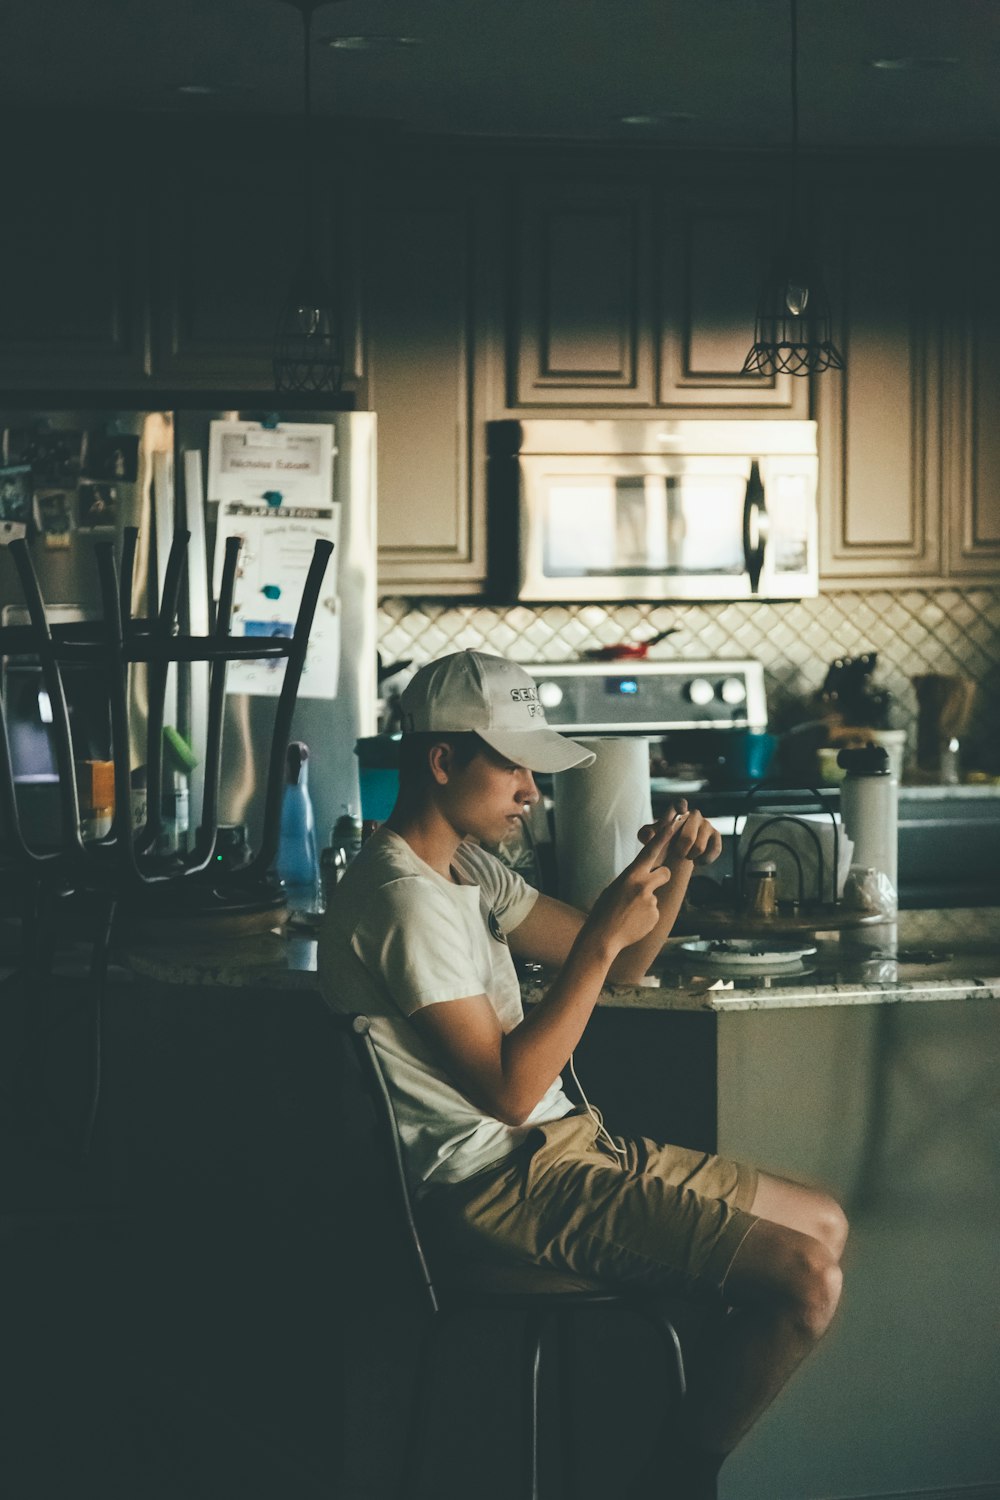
(954, 631)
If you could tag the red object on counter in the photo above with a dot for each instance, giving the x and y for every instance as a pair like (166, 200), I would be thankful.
(629, 650)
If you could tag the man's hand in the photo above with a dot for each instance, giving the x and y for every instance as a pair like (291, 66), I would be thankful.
(689, 835)
(628, 909)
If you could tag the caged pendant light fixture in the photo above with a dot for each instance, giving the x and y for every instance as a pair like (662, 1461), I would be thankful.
(792, 333)
(308, 342)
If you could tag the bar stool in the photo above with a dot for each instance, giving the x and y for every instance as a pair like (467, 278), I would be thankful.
(541, 1296)
(124, 870)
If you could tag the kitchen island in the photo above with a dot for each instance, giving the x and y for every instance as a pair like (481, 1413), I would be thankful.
(870, 1068)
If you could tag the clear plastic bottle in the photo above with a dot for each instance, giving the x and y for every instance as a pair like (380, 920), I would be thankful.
(297, 864)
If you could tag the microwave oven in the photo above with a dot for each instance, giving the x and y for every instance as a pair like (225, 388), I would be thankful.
(660, 510)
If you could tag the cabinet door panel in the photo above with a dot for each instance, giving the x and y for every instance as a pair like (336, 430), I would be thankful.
(426, 384)
(973, 413)
(229, 247)
(581, 334)
(879, 420)
(715, 253)
(227, 257)
(71, 310)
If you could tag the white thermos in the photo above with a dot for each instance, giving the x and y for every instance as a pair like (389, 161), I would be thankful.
(869, 810)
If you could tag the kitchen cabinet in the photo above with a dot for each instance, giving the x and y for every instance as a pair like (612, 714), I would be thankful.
(160, 261)
(430, 278)
(225, 255)
(73, 300)
(972, 411)
(641, 293)
(228, 244)
(715, 245)
(908, 432)
(879, 418)
(581, 314)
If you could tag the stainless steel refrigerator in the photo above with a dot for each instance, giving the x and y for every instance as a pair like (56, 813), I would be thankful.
(87, 468)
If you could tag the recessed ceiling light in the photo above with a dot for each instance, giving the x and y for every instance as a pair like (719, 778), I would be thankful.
(371, 43)
(675, 117)
(912, 64)
(199, 90)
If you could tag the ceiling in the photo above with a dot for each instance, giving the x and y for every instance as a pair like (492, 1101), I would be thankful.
(697, 73)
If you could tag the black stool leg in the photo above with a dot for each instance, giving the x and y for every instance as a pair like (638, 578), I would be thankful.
(98, 988)
(671, 1348)
(533, 1326)
(415, 1444)
(566, 1332)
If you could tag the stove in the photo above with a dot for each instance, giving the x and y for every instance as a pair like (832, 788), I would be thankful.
(651, 697)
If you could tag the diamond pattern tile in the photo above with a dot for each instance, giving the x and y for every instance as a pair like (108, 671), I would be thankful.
(936, 630)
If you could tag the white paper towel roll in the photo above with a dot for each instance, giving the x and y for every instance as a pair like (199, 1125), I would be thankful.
(599, 810)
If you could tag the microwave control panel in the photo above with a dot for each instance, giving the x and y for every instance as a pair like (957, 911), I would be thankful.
(643, 697)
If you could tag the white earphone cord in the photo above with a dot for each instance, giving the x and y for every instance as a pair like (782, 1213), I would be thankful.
(596, 1116)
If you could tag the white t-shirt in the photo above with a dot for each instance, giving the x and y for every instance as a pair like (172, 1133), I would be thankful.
(399, 936)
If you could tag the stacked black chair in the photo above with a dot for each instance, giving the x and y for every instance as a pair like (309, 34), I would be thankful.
(124, 870)
(542, 1297)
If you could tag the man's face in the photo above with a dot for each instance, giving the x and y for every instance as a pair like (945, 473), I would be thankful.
(488, 796)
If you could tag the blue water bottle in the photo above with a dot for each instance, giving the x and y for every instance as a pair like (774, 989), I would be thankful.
(297, 864)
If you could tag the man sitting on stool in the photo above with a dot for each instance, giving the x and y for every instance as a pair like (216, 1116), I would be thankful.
(419, 937)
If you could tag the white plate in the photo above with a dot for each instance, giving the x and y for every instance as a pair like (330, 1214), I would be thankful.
(742, 953)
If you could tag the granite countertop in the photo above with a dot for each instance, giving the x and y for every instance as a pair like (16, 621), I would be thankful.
(926, 955)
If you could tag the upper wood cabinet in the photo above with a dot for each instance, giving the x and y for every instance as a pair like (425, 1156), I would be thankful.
(581, 314)
(73, 303)
(625, 295)
(715, 245)
(428, 299)
(879, 419)
(226, 249)
(972, 408)
(228, 245)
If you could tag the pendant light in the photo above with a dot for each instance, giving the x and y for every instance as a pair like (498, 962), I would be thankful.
(308, 341)
(792, 333)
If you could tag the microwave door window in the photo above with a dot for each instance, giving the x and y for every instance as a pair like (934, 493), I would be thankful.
(579, 533)
(643, 525)
(601, 527)
(640, 525)
(705, 523)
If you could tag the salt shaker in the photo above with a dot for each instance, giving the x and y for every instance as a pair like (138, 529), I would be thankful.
(762, 890)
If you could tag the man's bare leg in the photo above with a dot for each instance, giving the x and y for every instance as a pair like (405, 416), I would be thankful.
(783, 1288)
(801, 1208)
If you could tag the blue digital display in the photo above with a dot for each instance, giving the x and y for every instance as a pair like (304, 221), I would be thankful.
(628, 687)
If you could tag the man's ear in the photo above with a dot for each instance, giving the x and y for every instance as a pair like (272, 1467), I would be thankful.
(439, 758)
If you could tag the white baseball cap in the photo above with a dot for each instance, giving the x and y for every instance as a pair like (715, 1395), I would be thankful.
(470, 692)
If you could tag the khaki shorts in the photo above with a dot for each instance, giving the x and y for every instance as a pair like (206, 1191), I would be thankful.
(661, 1217)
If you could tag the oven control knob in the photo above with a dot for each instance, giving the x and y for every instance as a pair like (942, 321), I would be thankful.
(732, 690)
(550, 694)
(699, 691)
